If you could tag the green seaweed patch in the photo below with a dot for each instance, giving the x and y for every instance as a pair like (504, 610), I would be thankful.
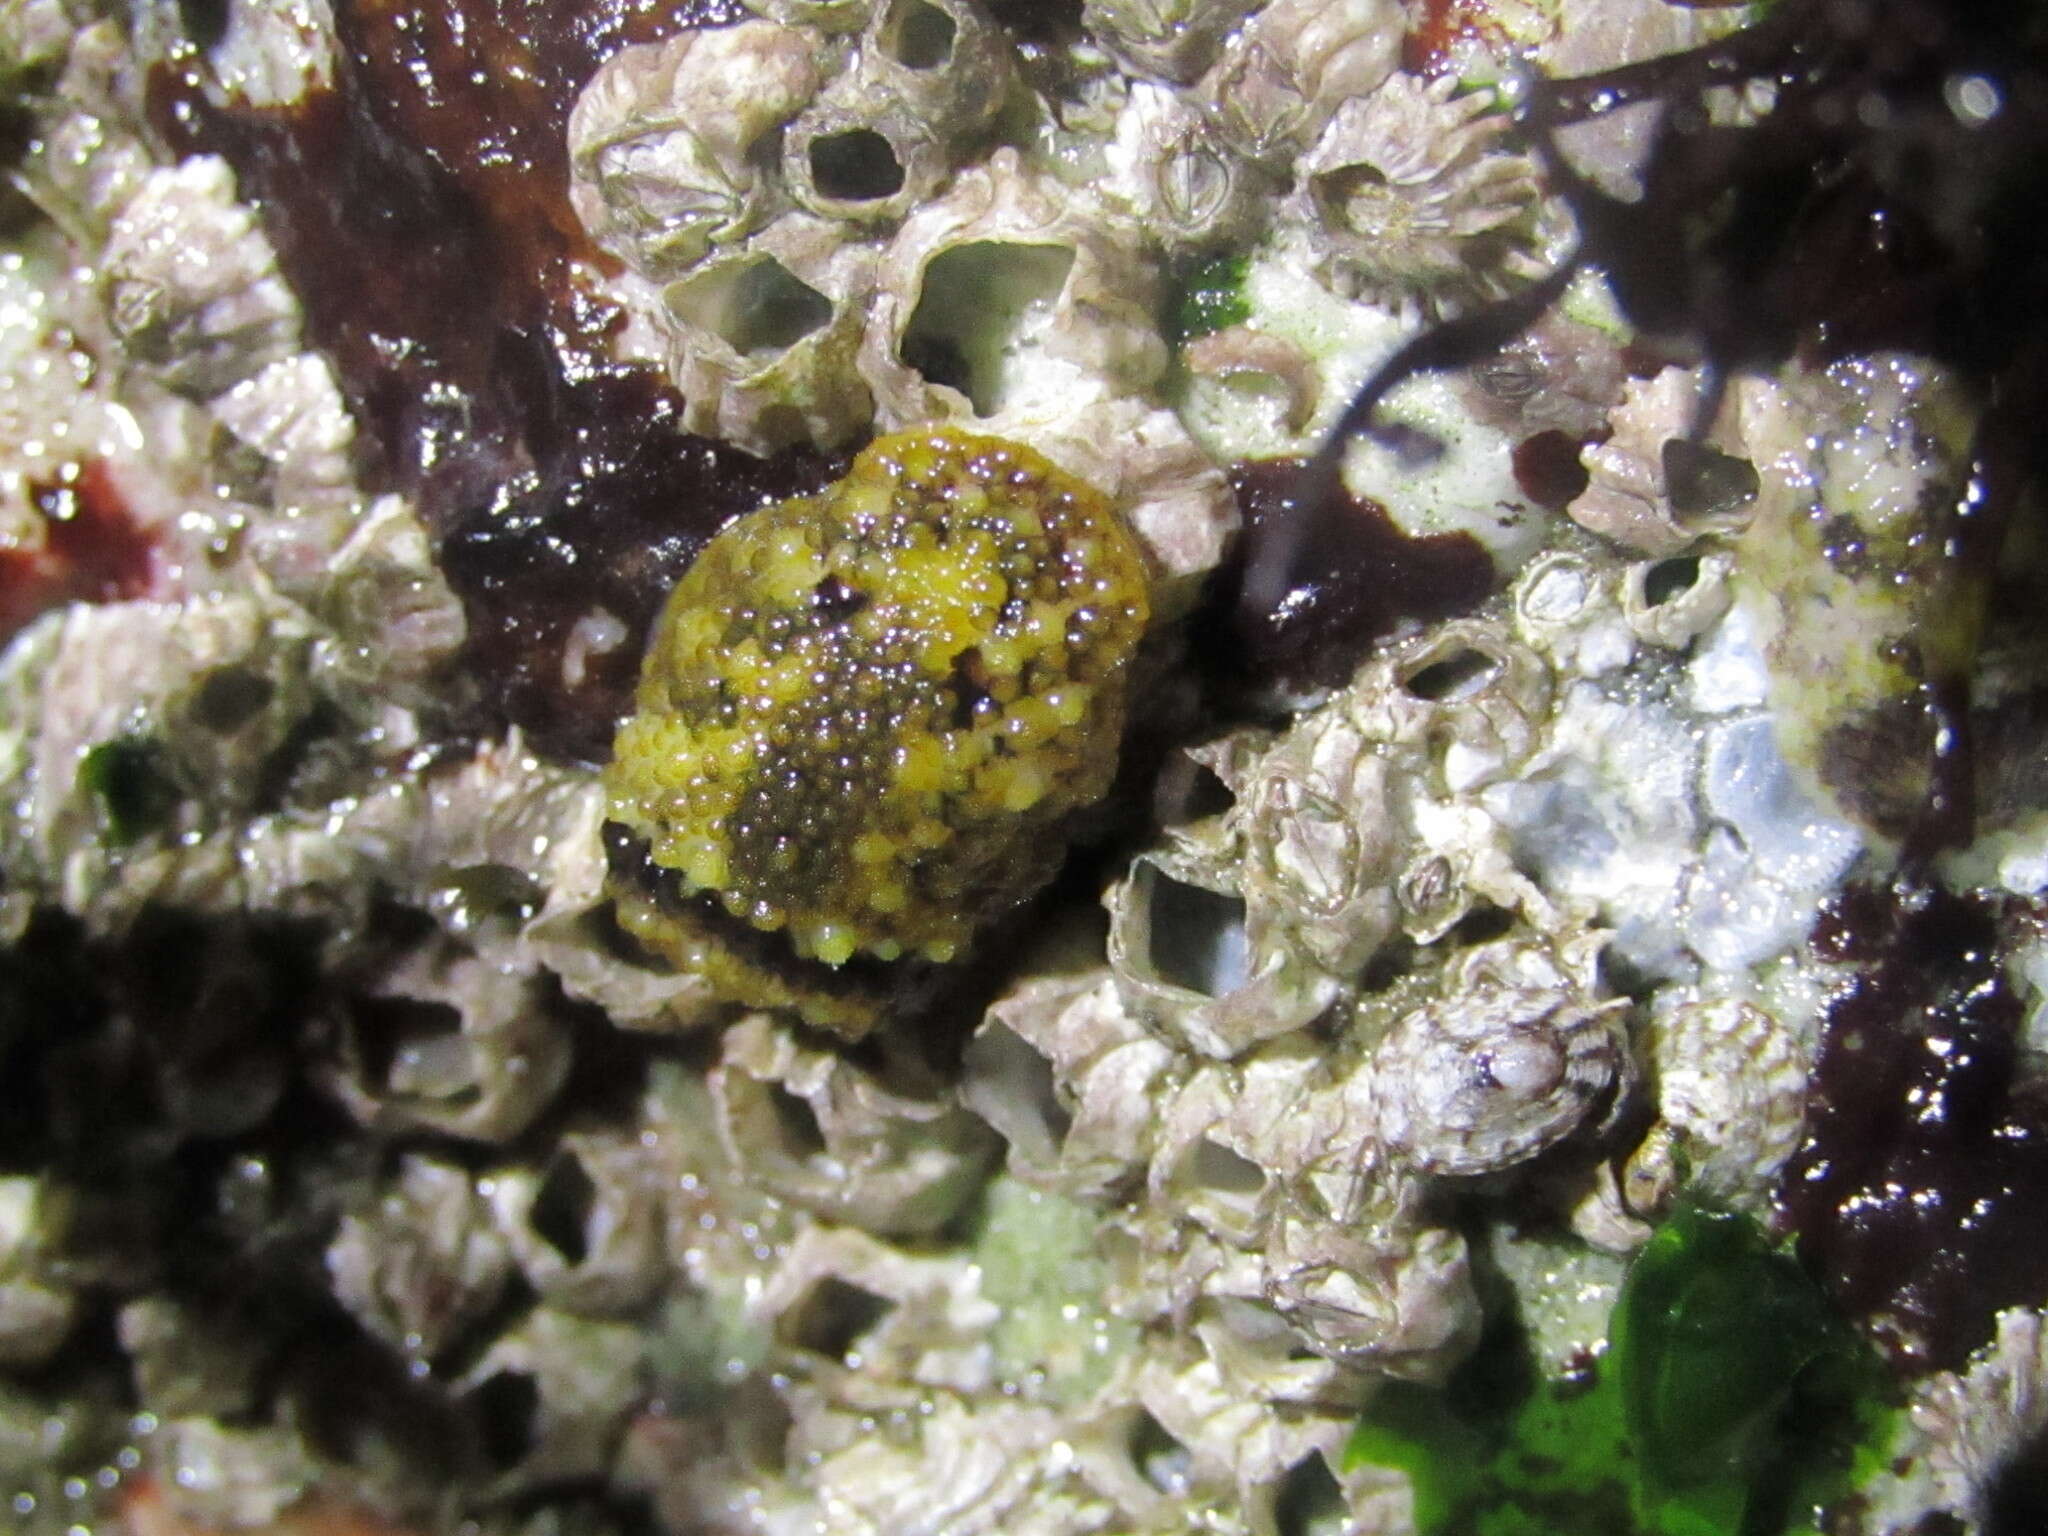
(131, 784)
(1731, 1401)
(1211, 298)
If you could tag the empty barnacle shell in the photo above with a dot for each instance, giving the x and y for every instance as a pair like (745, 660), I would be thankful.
(419, 1259)
(862, 154)
(762, 338)
(1284, 73)
(1407, 193)
(1495, 1071)
(1468, 693)
(1674, 601)
(1008, 291)
(192, 286)
(1188, 187)
(1067, 1077)
(859, 1315)
(884, 1149)
(1398, 1301)
(671, 144)
(587, 1227)
(949, 61)
(446, 1041)
(1239, 352)
(1186, 961)
(1165, 39)
(1202, 1443)
(563, 1387)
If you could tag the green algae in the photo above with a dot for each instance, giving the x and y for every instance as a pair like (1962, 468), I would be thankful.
(1211, 298)
(1730, 1402)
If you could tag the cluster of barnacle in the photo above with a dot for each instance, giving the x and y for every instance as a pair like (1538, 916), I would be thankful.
(850, 216)
(1511, 916)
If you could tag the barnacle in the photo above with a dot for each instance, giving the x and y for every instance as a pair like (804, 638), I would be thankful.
(866, 717)
(668, 140)
(1408, 194)
(762, 337)
(1168, 39)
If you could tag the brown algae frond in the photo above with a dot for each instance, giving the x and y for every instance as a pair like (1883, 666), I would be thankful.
(866, 717)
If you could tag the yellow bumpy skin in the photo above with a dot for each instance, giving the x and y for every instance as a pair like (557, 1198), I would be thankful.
(866, 716)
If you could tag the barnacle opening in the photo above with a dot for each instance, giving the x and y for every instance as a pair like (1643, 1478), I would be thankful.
(855, 165)
(409, 1047)
(983, 311)
(918, 36)
(1159, 1458)
(562, 1205)
(832, 1317)
(754, 306)
(1668, 580)
(1198, 935)
(1457, 676)
(1223, 1175)
(1009, 1082)
(1310, 1502)
(505, 1407)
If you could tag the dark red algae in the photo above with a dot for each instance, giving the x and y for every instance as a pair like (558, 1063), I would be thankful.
(1919, 1194)
(94, 550)
(1350, 577)
(419, 208)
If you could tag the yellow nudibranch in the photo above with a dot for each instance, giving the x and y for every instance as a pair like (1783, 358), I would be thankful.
(866, 717)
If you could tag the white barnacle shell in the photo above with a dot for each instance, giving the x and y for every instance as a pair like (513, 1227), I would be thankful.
(1964, 1430)
(1731, 1085)
(762, 337)
(880, 1148)
(1408, 193)
(671, 144)
(858, 1316)
(949, 61)
(1498, 1069)
(1629, 496)
(1671, 603)
(1068, 1079)
(420, 1259)
(1285, 72)
(1399, 1301)
(863, 154)
(1321, 840)
(192, 286)
(584, 1378)
(1186, 184)
(1468, 694)
(1165, 39)
(445, 1041)
(1008, 292)
(1188, 961)
(586, 1227)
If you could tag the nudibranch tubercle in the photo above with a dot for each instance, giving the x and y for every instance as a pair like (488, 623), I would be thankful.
(865, 718)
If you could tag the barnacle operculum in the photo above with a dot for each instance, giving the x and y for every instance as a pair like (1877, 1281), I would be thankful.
(866, 717)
